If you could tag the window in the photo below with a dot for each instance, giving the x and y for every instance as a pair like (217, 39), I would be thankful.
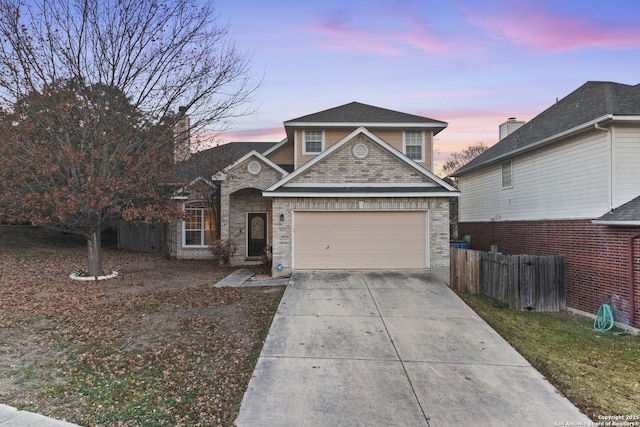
(507, 180)
(199, 225)
(312, 142)
(414, 145)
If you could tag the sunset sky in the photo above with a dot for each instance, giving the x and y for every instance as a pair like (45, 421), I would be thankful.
(472, 64)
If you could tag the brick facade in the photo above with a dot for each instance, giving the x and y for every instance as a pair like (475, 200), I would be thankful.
(597, 257)
(438, 209)
(378, 166)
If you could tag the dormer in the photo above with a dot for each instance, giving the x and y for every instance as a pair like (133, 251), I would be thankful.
(412, 135)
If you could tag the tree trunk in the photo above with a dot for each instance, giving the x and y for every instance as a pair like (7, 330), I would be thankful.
(95, 252)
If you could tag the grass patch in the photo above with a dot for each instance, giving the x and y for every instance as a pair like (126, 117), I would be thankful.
(159, 345)
(598, 372)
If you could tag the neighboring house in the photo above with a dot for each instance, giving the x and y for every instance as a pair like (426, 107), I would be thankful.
(567, 182)
(350, 187)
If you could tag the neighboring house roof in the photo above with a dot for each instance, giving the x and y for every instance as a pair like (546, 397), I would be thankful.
(285, 187)
(219, 176)
(358, 114)
(208, 162)
(592, 103)
(627, 214)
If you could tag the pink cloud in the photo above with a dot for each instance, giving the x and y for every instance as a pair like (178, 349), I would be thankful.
(555, 33)
(339, 37)
(272, 134)
(467, 127)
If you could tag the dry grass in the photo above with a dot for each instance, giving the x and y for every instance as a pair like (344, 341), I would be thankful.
(598, 372)
(156, 346)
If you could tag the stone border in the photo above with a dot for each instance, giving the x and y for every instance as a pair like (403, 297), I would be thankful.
(73, 276)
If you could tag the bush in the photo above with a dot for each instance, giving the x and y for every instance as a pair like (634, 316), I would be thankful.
(223, 250)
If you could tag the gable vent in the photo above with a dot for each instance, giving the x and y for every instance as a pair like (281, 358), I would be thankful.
(254, 168)
(360, 150)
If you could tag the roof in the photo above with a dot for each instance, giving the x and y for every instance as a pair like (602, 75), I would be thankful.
(209, 162)
(358, 114)
(590, 103)
(627, 214)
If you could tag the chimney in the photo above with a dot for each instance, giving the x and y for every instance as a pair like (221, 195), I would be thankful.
(510, 126)
(182, 137)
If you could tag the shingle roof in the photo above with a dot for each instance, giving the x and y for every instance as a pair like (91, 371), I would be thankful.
(363, 114)
(629, 212)
(208, 162)
(589, 102)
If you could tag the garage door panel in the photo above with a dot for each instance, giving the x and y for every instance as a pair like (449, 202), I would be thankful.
(365, 240)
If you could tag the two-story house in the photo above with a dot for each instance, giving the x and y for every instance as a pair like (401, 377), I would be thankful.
(350, 187)
(567, 183)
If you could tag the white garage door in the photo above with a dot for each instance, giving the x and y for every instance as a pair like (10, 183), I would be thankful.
(360, 240)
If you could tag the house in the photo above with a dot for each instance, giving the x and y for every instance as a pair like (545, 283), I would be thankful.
(566, 183)
(350, 187)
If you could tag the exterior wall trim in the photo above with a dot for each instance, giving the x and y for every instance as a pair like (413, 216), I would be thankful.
(352, 195)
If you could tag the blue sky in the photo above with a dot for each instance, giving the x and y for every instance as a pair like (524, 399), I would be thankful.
(472, 64)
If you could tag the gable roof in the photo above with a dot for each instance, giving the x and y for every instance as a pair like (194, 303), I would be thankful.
(438, 189)
(592, 103)
(208, 162)
(220, 175)
(627, 214)
(358, 114)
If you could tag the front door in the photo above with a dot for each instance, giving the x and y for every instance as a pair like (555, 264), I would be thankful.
(257, 228)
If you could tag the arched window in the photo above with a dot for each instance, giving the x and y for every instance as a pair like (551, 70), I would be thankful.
(199, 225)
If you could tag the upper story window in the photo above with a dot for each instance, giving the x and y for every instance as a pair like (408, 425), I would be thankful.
(313, 141)
(507, 176)
(199, 225)
(413, 144)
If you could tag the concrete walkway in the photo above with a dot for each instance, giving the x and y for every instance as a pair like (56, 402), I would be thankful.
(12, 417)
(391, 349)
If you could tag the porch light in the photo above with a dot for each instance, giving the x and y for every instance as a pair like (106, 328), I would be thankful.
(281, 217)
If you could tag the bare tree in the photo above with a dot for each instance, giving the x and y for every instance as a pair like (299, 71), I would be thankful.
(458, 159)
(89, 91)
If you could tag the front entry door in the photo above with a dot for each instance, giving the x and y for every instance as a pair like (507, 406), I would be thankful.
(257, 228)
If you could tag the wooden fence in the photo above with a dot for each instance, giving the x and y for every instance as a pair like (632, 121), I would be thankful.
(140, 236)
(522, 281)
(465, 270)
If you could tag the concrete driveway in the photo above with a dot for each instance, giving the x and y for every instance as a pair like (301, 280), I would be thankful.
(391, 349)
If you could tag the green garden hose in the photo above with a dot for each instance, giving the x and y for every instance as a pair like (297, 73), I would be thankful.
(604, 319)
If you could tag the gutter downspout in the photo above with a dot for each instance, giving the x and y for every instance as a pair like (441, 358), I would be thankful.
(609, 161)
(632, 300)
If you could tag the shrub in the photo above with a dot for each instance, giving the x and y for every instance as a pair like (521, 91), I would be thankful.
(223, 250)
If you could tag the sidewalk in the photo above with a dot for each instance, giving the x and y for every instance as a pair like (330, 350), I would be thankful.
(11, 417)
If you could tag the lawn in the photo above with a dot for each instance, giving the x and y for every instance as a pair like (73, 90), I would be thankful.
(158, 345)
(598, 372)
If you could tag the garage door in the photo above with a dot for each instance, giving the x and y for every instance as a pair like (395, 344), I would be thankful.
(360, 240)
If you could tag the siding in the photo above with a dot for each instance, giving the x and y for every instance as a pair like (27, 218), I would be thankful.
(283, 155)
(562, 181)
(626, 153)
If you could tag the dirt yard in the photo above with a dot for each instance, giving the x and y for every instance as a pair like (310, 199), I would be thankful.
(158, 345)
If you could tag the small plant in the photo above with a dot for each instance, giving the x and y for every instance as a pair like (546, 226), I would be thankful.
(80, 273)
(223, 250)
(267, 256)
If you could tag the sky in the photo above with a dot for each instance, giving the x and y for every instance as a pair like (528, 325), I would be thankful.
(473, 64)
